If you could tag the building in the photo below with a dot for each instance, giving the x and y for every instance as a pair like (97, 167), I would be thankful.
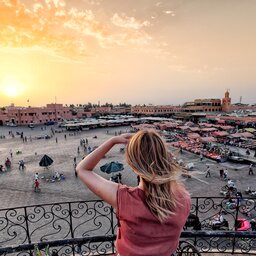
(121, 110)
(196, 106)
(202, 105)
(13, 115)
(243, 107)
(155, 110)
(83, 112)
(208, 105)
(226, 102)
(100, 110)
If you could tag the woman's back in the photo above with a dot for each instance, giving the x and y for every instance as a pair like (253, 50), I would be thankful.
(151, 216)
(140, 232)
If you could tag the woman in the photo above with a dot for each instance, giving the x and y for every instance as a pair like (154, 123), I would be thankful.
(150, 216)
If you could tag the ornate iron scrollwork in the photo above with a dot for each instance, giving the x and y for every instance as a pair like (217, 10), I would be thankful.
(62, 222)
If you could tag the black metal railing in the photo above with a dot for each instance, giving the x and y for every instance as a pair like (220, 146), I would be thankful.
(89, 227)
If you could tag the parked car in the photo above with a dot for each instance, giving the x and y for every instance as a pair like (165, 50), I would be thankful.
(44, 136)
(12, 124)
(31, 125)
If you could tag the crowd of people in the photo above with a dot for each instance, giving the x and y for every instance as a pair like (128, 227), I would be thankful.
(21, 163)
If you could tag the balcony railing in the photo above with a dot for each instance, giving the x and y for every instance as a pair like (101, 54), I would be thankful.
(89, 227)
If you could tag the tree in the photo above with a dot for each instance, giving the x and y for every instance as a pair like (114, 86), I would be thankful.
(88, 105)
(124, 104)
(107, 105)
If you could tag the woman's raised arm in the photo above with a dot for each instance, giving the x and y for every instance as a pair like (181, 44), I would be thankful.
(103, 188)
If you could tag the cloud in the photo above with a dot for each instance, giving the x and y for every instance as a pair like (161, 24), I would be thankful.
(158, 4)
(37, 7)
(91, 2)
(169, 12)
(128, 22)
(67, 31)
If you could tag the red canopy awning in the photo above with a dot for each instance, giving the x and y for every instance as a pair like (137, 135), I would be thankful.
(166, 125)
(235, 135)
(209, 129)
(247, 135)
(226, 127)
(208, 139)
(206, 124)
(194, 129)
(189, 124)
(242, 135)
(220, 133)
(193, 135)
(183, 127)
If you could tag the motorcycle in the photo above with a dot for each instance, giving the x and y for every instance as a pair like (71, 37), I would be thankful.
(250, 192)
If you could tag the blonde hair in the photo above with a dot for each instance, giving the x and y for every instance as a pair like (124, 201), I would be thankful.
(149, 158)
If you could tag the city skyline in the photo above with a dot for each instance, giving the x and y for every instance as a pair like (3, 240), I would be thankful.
(138, 52)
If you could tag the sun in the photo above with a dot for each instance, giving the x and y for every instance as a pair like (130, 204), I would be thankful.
(12, 87)
(11, 91)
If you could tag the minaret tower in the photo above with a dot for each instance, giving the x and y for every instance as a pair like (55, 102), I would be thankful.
(226, 102)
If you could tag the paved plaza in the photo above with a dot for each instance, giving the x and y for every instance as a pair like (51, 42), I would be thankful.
(16, 186)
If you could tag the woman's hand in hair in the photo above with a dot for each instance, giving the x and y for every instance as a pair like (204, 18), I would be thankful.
(122, 139)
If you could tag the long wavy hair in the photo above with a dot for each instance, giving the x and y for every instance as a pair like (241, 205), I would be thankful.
(149, 158)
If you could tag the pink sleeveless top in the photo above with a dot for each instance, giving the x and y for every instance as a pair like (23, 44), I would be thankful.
(140, 232)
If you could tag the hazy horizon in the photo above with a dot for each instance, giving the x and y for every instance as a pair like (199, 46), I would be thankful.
(138, 52)
(103, 103)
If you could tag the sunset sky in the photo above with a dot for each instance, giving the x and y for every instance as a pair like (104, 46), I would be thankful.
(134, 51)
